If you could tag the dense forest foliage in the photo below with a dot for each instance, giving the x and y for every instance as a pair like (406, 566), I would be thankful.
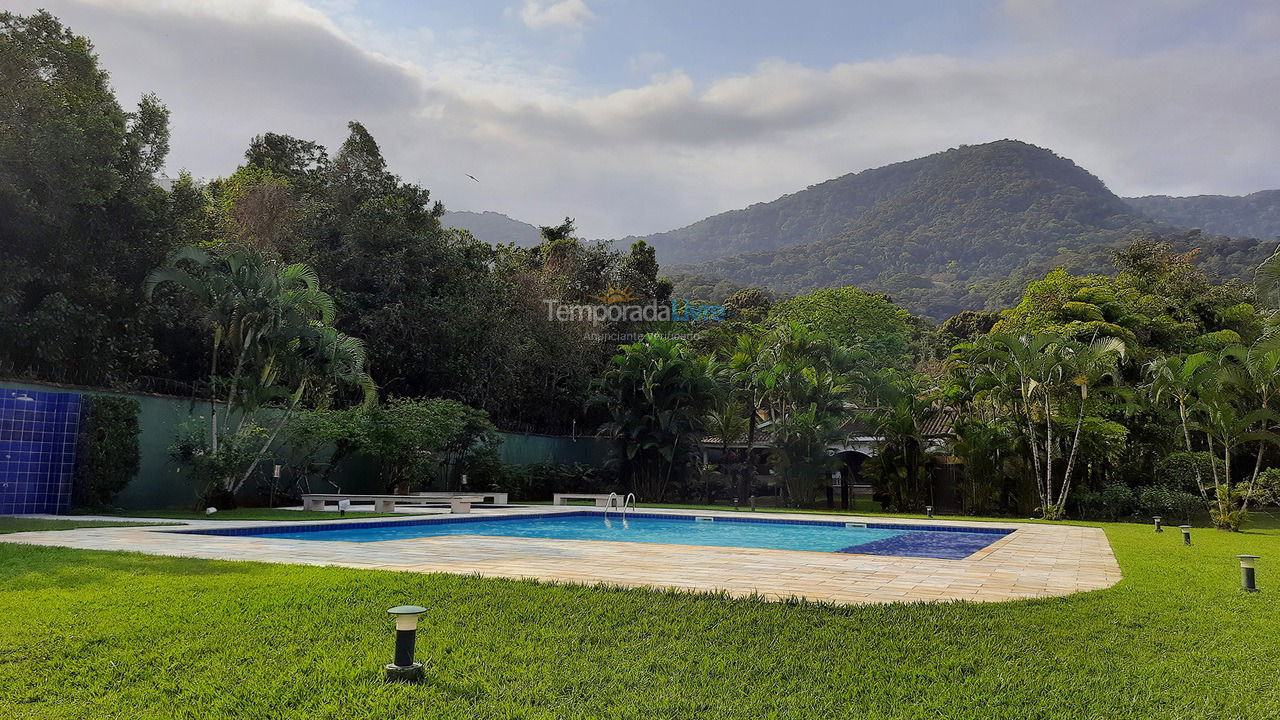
(1256, 215)
(960, 230)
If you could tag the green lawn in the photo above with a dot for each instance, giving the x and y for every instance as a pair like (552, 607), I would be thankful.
(104, 635)
(23, 524)
(247, 514)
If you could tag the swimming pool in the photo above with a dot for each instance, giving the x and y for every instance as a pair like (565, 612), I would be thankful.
(808, 535)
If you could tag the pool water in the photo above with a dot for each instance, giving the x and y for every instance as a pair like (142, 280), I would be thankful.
(807, 535)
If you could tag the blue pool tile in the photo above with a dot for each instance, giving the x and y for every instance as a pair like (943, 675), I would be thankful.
(933, 543)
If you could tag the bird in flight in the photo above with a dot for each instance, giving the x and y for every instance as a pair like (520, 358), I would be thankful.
(473, 177)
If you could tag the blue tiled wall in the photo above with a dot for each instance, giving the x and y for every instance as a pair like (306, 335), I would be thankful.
(37, 450)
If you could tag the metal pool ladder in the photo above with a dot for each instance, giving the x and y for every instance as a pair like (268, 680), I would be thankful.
(620, 505)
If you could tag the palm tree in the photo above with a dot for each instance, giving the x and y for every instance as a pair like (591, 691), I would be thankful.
(1180, 378)
(1035, 375)
(751, 378)
(1227, 429)
(905, 404)
(273, 322)
(808, 400)
(1021, 369)
(657, 394)
(726, 421)
(800, 441)
(1254, 373)
(981, 445)
(1266, 278)
(1086, 366)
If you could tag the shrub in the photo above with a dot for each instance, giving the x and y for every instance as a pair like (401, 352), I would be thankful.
(1173, 504)
(1178, 470)
(1110, 503)
(238, 450)
(418, 439)
(109, 455)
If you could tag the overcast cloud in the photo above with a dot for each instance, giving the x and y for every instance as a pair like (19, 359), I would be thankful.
(1190, 110)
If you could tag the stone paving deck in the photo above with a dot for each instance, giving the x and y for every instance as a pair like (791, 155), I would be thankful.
(1037, 560)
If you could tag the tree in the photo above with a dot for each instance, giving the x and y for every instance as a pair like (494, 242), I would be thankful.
(853, 318)
(1039, 379)
(1178, 378)
(1227, 430)
(414, 439)
(270, 342)
(81, 218)
(727, 421)
(904, 406)
(657, 395)
(982, 445)
(808, 383)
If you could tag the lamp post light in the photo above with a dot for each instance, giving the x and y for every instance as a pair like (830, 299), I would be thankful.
(1247, 581)
(404, 669)
(1157, 520)
(1186, 534)
(343, 506)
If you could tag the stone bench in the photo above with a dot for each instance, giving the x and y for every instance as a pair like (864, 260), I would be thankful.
(562, 498)
(458, 503)
(489, 498)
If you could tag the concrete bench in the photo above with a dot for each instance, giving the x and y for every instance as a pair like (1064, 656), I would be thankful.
(458, 503)
(562, 498)
(488, 498)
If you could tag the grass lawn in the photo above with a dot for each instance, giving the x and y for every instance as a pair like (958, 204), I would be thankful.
(247, 514)
(104, 635)
(24, 524)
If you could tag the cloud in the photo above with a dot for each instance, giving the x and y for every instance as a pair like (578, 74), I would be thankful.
(541, 14)
(670, 149)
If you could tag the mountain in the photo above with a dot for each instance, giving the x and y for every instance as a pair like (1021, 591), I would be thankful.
(493, 228)
(959, 230)
(1256, 215)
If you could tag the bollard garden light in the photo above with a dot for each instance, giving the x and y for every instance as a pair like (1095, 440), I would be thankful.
(1186, 534)
(1247, 580)
(929, 510)
(404, 669)
(343, 506)
(1157, 520)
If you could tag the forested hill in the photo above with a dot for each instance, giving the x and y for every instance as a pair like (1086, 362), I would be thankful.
(493, 228)
(817, 212)
(961, 229)
(1255, 215)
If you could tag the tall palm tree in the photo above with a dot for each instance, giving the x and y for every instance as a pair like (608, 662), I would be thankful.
(751, 377)
(273, 323)
(1021, 370)
(1226, 430)
(1254, 373)
(1179, 378)
(1086, 366)
(1037, 375)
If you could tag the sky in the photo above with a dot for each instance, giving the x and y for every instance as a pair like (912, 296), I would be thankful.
(638, 116)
